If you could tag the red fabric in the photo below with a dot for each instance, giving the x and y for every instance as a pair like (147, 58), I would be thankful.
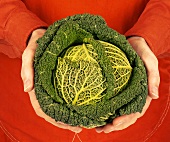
(17, 118)
(19, 121)
(156, 14)
(119, 14)
(17, 19)
(15, 28)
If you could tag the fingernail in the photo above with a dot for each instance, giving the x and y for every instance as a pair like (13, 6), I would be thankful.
(99, 130)
(26, 85)
(154, 92)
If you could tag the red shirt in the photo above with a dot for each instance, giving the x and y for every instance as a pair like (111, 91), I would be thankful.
(17, 23)
(149, 19)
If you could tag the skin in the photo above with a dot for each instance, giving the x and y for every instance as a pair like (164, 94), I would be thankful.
(140, 46)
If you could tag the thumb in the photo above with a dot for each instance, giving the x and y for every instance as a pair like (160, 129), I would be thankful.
(27, 71)
(153, 82)
(151, 63)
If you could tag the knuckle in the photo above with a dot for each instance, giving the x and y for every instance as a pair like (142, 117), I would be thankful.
(153, 70)
(155, 62)
(28, 54)
(24, 55)
(154, 77)
(22, 75)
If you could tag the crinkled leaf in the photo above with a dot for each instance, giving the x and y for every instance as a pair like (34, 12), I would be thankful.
(79, 82)
(120, 64)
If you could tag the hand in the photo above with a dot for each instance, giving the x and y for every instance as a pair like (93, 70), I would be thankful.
(27, 74)
(151, 63)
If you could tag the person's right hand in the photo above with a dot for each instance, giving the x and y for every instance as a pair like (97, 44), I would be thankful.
(27, 74)
(151, 63)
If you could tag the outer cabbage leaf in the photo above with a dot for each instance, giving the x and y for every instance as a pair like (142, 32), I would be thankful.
(114, 66)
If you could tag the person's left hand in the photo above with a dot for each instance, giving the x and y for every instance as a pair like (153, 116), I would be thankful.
(151, 64)
(27, 74)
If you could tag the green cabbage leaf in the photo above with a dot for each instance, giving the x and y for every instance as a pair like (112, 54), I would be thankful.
(87, 74)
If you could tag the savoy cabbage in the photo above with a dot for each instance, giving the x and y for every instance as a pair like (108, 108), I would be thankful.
(86, 73)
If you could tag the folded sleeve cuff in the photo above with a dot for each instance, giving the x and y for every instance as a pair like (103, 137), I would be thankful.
(153, 25)
(18, 29)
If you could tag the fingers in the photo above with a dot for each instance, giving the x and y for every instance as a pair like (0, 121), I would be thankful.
(120, 123)
(27, 74)
(124, 121)
(27, 71)
(151, 63)
(66, 126)
(40, 113)
(153, 83)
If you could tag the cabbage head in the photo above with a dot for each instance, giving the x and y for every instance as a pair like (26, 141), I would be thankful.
(87, 74)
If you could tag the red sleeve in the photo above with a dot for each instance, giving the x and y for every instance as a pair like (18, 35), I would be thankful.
(154, 26)
(16, 25)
